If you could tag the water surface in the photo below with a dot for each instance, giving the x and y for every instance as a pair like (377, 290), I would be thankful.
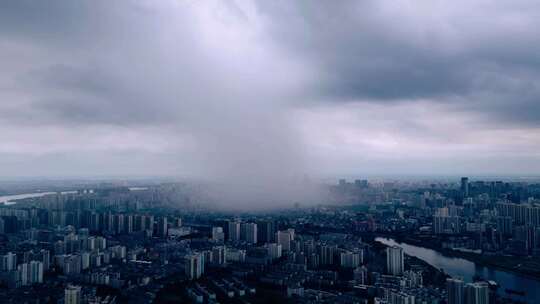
(459, 267)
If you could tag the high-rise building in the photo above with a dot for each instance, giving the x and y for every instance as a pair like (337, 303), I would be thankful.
(400, 297)
(140, 223)
(45, 259)
(23, 274)
(219, 255)
(351, 259)
(327, 253)
(128, 223)
(266, 231)
(504, 225)
(248, 232)
(72, 295)
(162, 227)
(85, 260)
(291, 232)
(394, 260)
(194, 266)
(35, 272)
(8, 261)
(284, 238)
(477, 293)
(361, 275)
(465, 186)
(218, 235)
(274, 250)
(149, 224)
(101, 243)
(455, 289)
(234, 231)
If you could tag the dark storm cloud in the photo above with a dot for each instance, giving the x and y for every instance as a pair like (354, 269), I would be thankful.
(185, 68)
(482, 57)
(226, 86)
(90, 95)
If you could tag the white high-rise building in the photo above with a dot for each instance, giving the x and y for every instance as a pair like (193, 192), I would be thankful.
(394, 260)
(234, 231)
(23, 274)
(101, 243)
(274, 250)
(454, 288)
(291, 232)
(284, 238)
(477, 293)
(72, 295)
(194, 266)
(350, 259)
(35, 272)
(85, 260)
(217, 234)
(219, 255)
(235, 255)
(45, 259)
(248, 232)
(8, 261)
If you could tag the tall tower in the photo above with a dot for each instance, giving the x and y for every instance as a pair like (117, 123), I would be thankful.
(476, 293)
(465, 186)
(72, 295)
(194, 266)
(454, 287)
(284, 239)
(394, 260)
(248, 232)
(234, 231)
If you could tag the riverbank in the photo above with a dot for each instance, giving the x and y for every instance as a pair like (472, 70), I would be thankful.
(526, 266)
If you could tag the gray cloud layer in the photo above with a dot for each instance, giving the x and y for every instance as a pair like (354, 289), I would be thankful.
(258, 91)
(482, 56)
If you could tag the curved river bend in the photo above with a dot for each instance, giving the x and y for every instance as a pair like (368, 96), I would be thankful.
(458, 267)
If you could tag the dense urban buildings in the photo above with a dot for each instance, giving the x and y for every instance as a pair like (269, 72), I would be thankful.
(380, 241)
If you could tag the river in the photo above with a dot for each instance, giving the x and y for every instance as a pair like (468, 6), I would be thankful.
(10, 199)
(458, 267)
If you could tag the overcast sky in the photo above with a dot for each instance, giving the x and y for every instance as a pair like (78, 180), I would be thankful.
(269, 88)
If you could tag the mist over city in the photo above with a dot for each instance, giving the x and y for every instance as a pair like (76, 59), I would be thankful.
(249, 151)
